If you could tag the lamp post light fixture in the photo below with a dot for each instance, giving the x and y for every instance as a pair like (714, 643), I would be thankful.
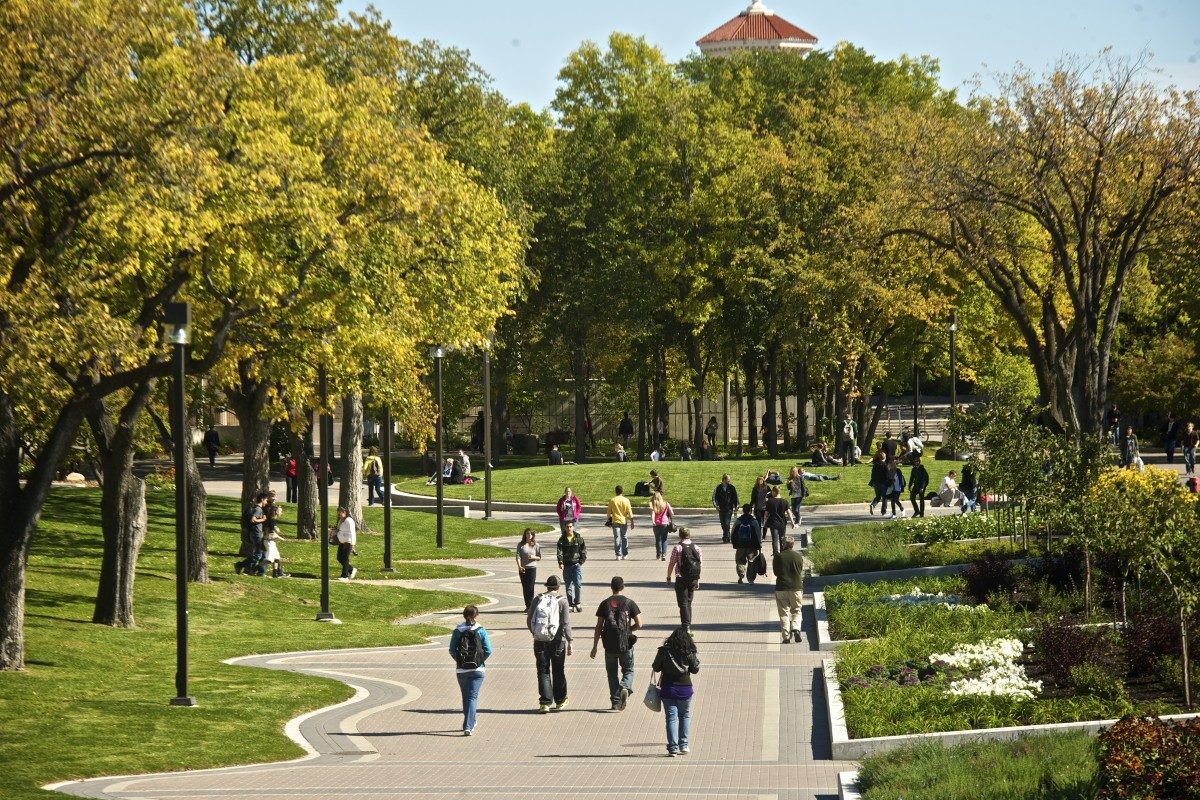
(386, 441)
(953, 378)
(437, 352)
(324, 437)
(177, 326)
(487, 427)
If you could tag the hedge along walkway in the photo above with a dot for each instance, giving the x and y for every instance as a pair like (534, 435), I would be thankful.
(752, 723)
(688, 484)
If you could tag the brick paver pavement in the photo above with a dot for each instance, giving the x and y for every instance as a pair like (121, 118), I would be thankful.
(753, 733)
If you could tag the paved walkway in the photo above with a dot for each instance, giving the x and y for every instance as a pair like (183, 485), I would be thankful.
(757, 728)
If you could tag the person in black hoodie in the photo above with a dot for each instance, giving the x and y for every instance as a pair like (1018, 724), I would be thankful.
(880, 480)
(918, 484)
(677, 661)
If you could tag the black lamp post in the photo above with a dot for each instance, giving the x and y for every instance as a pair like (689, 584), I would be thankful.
(386, 441)
(487, 429)
(324, 422)
(953, 376)
(437, 352)
(177, 321)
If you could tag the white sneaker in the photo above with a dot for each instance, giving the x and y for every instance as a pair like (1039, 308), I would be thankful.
(353, 572)
(891, 516)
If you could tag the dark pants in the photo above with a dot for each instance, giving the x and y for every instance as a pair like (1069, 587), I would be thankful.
(897, 503)
(619, 667)
(726, 515)
(684, 591)
(290, 480)
(552, 671)
(528, 583)
(253, 563)
(1169, 446)
(1189, 459)
(847, 453)
(343, 557)
(374, 489)
(917, 498)
(212, 456)
(777, 532)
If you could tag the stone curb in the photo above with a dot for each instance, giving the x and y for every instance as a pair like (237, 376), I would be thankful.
(825, 642)
(848, 786)
(846, 749)
(815, 583)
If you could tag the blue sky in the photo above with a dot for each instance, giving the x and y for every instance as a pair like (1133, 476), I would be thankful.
(522, 44)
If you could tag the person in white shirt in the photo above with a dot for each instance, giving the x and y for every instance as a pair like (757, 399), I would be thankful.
(949, 491)
(465, 460)
(346, 533)
(656, 454)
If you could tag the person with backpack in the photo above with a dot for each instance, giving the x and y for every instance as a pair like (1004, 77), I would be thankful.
(550, 623)
(616, 620)
(661, 517)
(779, 516)
(677, 661)
(529, 553)
(373, 469)
(725, 501)
(572, 553)
(569, 508)
(788, 567)
(849, 439)
(747, 544)
(797, 491)
(895, 489)
(684, 569)
(470, 648)
(918, 484)
(620, 519)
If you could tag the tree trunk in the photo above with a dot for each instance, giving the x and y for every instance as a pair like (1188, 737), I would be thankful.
(783, 409)
(771, 391)
(802, 392)
(741, 414)
(1187, 672)
(197, 533)
(748, 371)
(879, 405)
(579, 373)
(123, 519)
(249, 401)
(350, 486)
(643, 412)
(306, 483)
(699, 373)
(20, 507)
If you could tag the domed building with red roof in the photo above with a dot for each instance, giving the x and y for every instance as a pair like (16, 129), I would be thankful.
(757, 28)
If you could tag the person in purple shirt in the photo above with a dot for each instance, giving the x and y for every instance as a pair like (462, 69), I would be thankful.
(677, 661)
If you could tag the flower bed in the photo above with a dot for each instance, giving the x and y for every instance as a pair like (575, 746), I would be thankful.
(860, 611)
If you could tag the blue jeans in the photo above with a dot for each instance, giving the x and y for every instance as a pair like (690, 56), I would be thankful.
(679, 722)
(660, 541)
(726, 515)
(573, 578)
(551, 660)
(470, 684)
(621, 539)
(615, 684)
(1189, 460)
(374, 489)
(969, 502)
(796, 503)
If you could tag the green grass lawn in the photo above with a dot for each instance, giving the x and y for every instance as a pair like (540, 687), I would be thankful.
(93, 699)
(881, 545)
(1054, 767)
(689, 484)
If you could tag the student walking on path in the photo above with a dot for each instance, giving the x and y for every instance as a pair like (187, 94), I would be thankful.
(880, 480)
(373, 469)
(684, 570)
(661, 515)
(747, 544)
(788, 567)
(1188, 441)
(725, 501)
(549, 621)
(918, 484)
(346, 536)
(778, 517)
(529, 553)
(759, 495)
(677, 661)
(568, 508)
(797, 491)
(470, 648)
(616, 620)
(620, 519)
(572, 553)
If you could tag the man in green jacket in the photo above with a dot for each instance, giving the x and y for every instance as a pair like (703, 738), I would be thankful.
(789, 588)
(572, 553)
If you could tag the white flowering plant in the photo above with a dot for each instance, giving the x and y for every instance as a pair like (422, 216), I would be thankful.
(916, 597)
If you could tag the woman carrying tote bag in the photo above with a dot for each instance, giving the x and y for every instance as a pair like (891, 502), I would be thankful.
(678, 661)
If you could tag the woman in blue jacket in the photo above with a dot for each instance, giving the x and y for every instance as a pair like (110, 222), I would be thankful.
(470, 648)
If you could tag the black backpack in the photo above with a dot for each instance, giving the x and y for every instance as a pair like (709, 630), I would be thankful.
(743, 534)
(617, 625)
(469, 654)
(689, 563)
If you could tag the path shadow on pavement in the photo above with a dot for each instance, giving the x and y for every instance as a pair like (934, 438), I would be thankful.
(822, 747)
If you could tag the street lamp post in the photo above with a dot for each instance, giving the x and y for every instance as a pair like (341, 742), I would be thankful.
(437, 353)
(323, 424)
(953, 377)
(387, 490)
(487, 429)
(177, 321)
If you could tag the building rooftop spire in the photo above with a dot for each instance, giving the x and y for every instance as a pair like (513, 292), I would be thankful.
(757, 7)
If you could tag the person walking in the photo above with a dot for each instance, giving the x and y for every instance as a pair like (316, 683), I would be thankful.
(253, 519)
(568, 508)
(625, 430)
(1188, 442)
(289, 479)
(710, 433)
(725, 501)
(747, 544)
(760, 493)
(797, 491)
(1170, 436)
(549, 621)
(529, 553)
(788, 567)
(778, 517)
(661, 515)
(1112, 423)
(373, 469)
(212, 443)
(918, 484)
(470, 648)
(879, 480)
(896, 488)
(969, 488)
(572, 553)
(620, 519)
(677, 661)
(849, 439)
(683, 569)
(617, 619)
(346, 536)
(1129, 450)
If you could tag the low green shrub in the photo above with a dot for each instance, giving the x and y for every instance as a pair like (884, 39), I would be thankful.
(1094, 681)
(950, 528)
(1145, 758)
(1061, 646)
